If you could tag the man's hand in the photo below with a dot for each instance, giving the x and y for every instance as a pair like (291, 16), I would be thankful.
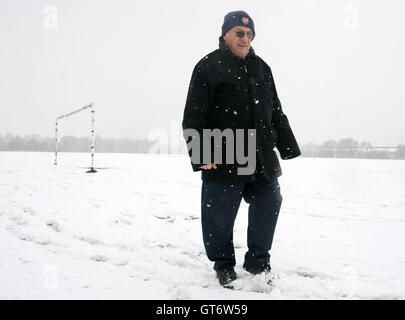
(209, 166)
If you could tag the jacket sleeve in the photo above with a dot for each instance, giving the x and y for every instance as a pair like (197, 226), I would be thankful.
(286, 143)
(197, 111)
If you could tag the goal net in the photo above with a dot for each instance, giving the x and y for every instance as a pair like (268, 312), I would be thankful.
(92, 112)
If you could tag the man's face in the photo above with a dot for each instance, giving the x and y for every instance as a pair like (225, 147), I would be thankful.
(239, 46)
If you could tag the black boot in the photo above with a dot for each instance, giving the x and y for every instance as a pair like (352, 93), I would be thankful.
(226, 275)
(257, 269)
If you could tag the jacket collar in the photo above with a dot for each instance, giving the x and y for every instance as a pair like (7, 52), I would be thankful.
(223, 47)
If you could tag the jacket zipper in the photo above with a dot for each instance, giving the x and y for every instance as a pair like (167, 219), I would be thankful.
(258, 159)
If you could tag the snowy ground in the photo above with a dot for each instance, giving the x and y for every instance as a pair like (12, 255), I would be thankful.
(132, 230)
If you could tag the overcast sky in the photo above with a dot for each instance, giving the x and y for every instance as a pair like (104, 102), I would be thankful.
(338, 65)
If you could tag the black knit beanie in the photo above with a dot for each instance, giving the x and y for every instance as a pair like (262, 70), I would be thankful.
(237, 18)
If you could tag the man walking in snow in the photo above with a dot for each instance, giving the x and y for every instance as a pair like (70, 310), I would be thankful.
(232, 89)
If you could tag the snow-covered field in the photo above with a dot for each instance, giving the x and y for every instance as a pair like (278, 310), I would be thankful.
(132, 230)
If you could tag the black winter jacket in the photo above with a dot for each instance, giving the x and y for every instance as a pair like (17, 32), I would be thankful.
(228, 92)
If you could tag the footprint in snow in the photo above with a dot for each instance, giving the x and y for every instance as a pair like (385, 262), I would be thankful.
(18, 219)
(91, 241)
(99, 258)
(123, 221)
(167, 218)
(121, 263)
(26, 237)
(191, 218)
(29, 210)
(311, 275)
(54, 225)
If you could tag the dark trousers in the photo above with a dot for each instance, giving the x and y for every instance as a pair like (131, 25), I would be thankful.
(219, 205)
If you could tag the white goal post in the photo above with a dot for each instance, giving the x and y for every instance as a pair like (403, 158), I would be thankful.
(91, 106)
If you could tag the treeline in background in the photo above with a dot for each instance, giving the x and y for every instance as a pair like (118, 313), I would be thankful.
(344, 148)
(350, 148)
(11, 142)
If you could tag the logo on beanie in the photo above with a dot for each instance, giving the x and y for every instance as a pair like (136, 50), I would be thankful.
(245, 20)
